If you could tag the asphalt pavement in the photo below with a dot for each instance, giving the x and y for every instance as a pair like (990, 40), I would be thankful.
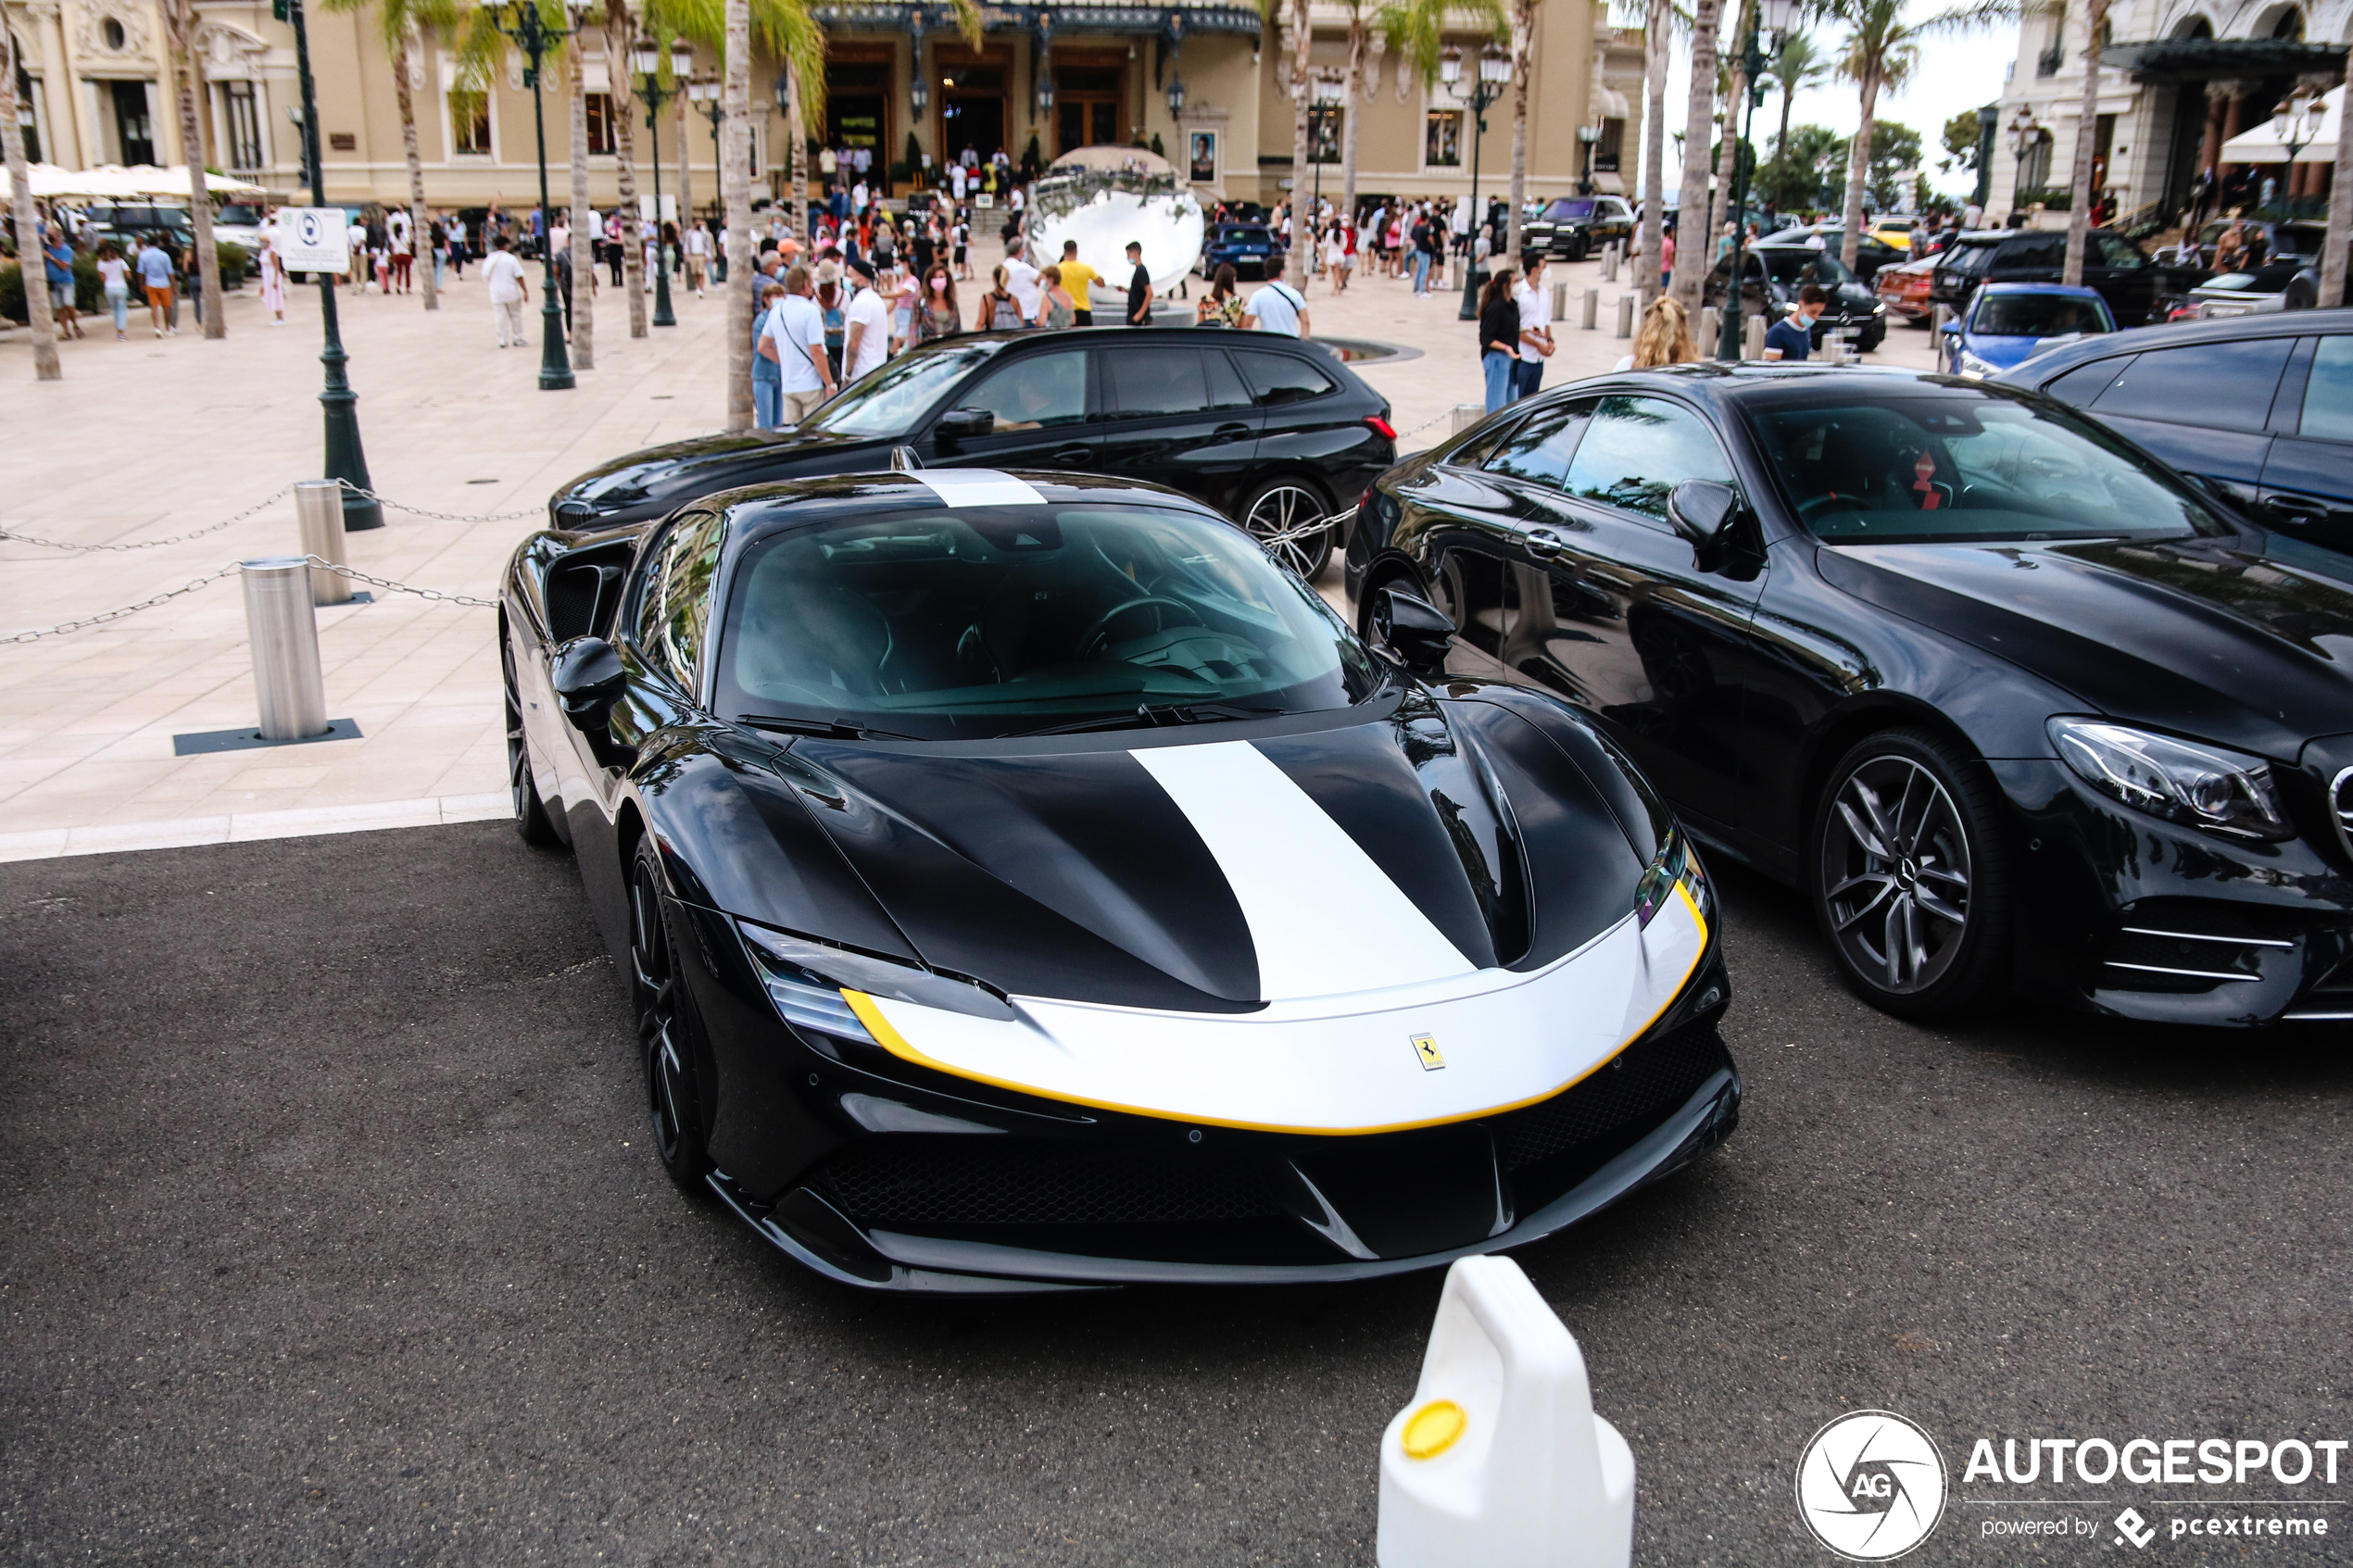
(331, 1236)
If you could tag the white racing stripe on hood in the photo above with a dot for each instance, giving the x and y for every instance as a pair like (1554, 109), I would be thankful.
(978, 487)
(1324, 918)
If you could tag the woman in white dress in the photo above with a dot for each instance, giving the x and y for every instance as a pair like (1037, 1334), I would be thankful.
(274, 276)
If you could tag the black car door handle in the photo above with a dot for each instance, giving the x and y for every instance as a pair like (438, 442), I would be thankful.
(1229, 433)
(1543, 543)
(1071, 456)
(2298, 511)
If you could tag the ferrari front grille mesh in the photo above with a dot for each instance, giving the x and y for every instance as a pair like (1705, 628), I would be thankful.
(968, 1180)
(1642, 1084)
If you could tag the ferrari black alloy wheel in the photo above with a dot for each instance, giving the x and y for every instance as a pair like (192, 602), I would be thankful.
(1287, 519)
(1910, 879)
(531, 816)
(665, 1024)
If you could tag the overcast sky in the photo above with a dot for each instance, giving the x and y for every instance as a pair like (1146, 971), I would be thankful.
(1957, 73)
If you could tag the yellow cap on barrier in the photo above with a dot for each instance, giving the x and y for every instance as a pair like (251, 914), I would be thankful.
(1433, 1429)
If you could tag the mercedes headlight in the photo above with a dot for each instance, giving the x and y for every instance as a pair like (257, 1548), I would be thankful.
(1976, 369)
(2181, 781)
(819, 986)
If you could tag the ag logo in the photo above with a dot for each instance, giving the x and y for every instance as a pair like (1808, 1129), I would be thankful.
(1871, 1486)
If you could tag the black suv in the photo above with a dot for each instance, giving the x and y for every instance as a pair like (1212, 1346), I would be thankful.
(2119, 269)
(168, 226)
(1274, 432)
(1573, 227)
(1776, 268)
(2260, 407)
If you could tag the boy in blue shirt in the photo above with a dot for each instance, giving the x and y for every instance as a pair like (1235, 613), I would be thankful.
(1791, 339)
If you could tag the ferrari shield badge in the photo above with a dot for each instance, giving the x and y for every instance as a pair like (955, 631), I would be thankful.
(1425, 1047)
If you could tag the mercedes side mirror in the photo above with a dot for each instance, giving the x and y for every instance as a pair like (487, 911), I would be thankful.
(964, 424)
(589, 679)
(1417, 631)
(574, 514)
(1702, 513)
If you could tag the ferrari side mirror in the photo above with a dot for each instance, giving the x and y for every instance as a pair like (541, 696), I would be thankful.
(589, 679)
(1702, 511)
(1414, 628)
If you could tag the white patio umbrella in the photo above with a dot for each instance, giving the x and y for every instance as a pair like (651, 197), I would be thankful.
(2262, 144)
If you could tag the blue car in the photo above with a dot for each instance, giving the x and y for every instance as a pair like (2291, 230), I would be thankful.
(1244, 245)
(2005, 324)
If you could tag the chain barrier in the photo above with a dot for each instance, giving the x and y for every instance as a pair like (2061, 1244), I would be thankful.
(442, 517)
(263, 504)
(103, 616)
(324, 564)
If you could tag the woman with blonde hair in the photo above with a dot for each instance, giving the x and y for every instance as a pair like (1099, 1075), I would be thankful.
(1663, 338)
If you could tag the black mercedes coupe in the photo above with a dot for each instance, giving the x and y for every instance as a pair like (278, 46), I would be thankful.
(1024, 884)
(1275, 433)
(2015, 703)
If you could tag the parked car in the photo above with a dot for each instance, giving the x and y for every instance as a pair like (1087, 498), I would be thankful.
(2006, 325)
(1776, 267)
(1571, 228)
(1870, 254)
(914, 807)
(2122, 272)
(1894, 231)
(2258, 405)
(238, 223)
(145, 222)
(1904, 290)
(1248, 246)
(1274, 432)
(2281, 273)
(2012, 702)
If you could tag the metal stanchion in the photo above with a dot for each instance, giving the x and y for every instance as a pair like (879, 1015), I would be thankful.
(1467, 415)
(1625, 315)
(1592, 307)
(1609, 262)
(1560, 301)
(1711, 327)
(318, 510)
(284, 629)
(1752, 337)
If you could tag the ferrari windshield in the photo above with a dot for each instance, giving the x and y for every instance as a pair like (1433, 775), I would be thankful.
(970, 622)
(889, 401)
(1919, 463)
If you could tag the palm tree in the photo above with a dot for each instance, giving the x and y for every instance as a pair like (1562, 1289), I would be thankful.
(1523, 25)
(1415, 30)
(399, 22)
(1302, 37)
(2340, 225)
(1657, 40)
(2079, 209)
(1691, 254)
(1734, 87)
(584, 217)
(735, 186)
(1881, 49)
(30, 268)
(180, 28)
(1796, 66)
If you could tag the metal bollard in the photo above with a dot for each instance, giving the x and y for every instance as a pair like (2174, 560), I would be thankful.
(1711, 332)
(1592, 307)
(284, 629)
(1752, 337)
(1560, 301)
(1609, 262)
(319, 512)
(1625, 315)
(1466, 416)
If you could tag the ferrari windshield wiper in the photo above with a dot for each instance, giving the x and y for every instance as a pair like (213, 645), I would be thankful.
(829, 729)
(1150, 715)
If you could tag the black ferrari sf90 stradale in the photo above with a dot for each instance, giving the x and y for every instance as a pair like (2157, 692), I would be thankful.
(1025, 885)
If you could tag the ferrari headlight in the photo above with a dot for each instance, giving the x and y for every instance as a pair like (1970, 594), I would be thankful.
(808, 982)
(1976, 369)
(1676, 861)
(2202, 787)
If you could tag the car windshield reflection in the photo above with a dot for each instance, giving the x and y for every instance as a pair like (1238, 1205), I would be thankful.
(2037, 315)
(984, 621)
(890, 400)
(1934, 464)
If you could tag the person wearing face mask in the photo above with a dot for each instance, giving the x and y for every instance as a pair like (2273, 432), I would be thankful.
(1791, 339)
(939, 316)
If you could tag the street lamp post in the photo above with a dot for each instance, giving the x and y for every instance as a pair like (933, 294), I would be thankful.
(2297, 125)
(1588, 137)
(645, 59)
(346, 459)
(919, 99)
(1773, 16)
(2024, 135)
(1494, 75)
(521, 20)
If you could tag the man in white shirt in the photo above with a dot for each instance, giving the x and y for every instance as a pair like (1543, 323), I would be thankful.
(858, 198)
(696, 241)
(1275, 307)
(503, 273)
(796, 341)
(956, 182)
(1022, 278)
(865, 342)
(358, 279)
(1535, 302)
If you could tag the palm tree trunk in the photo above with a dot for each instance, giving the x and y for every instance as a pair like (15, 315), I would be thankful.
(1690, 250)
(1295, 264)
(734, 184)
(1657, 42)
(1858, 168)
(2332, 246)
(180, 25)
(1523, 66)
(420, 241)
(1735, 102)
(1359, 36)
(2087, 123)
(619, 30)
(797, 156)
(31, 269)
(1780, 138)
(685, 172)
(584, 219)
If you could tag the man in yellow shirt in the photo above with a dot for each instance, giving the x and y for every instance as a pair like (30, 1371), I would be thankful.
(1079, 279)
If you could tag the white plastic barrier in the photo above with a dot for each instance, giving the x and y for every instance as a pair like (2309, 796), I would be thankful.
(1500, 1460)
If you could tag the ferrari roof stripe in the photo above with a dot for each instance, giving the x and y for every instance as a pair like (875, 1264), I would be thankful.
(1322, 917)
(978, 487)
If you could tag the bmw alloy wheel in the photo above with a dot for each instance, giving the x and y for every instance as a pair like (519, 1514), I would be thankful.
(1287, 521)
(1895, 874)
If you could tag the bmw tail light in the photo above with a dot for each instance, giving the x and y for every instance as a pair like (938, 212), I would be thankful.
(1380, 427)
